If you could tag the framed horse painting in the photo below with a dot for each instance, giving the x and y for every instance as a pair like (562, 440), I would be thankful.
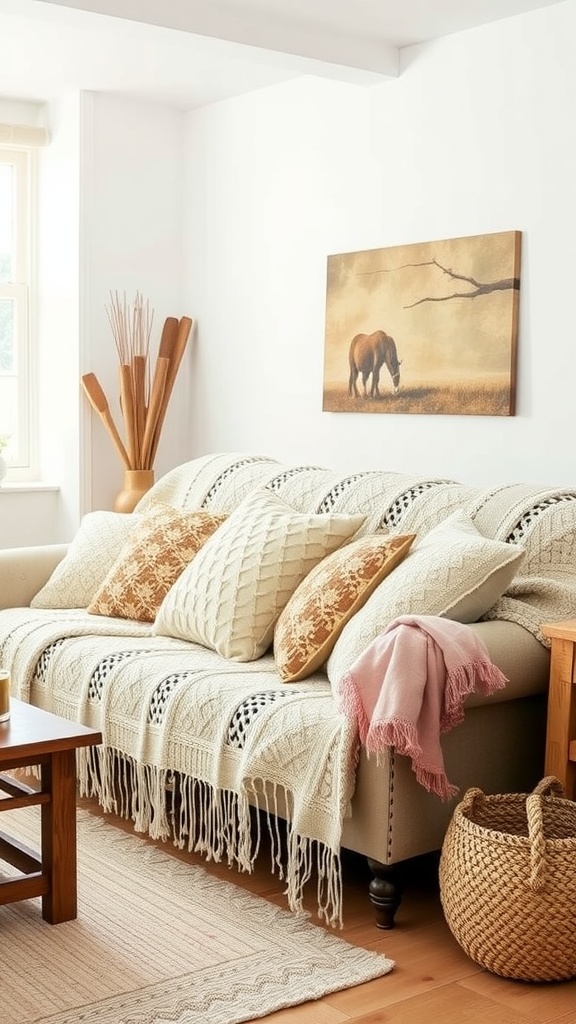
(424, 328)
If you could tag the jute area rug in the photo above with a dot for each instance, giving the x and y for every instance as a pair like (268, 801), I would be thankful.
(160, 941)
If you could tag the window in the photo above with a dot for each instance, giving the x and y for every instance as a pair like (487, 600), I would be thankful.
(16, 261)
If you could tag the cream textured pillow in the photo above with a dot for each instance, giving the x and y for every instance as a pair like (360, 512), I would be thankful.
(98, 542)
(162, 544)
(452, 571)
(231, 595)
(327, 598)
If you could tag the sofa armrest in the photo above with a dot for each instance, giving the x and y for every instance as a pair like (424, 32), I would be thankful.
(519, 655)
(23, 571)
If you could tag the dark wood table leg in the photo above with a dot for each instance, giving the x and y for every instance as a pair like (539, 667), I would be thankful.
(59, 837)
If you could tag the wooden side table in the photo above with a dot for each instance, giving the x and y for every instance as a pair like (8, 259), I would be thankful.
(35, 737)
(561, 726)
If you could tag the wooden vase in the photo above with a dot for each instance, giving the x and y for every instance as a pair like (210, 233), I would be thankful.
(136, 483)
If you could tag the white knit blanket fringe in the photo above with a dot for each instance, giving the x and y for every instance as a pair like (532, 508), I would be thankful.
(168, 712)
(219, 824)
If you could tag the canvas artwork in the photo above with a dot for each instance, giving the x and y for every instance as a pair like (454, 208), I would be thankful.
(429, 327)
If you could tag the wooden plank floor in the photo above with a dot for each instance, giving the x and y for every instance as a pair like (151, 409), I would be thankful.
(433, 982)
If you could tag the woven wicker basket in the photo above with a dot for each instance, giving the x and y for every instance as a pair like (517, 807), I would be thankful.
(508, 881)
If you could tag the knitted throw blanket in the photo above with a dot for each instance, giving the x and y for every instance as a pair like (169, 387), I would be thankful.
(191, 742)
(542, 520)
(409, 686)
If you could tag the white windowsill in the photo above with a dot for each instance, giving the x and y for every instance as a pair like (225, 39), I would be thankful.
(25, 486)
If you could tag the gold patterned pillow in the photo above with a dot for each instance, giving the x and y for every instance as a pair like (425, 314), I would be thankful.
(163, 543)
(327, 598)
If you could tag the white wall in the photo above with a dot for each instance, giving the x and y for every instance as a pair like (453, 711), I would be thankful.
(111, 185)
(57, 316)
(228, 215)
(132, 240)
(475, 136)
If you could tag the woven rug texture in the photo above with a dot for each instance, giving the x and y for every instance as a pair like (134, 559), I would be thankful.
(157, 940)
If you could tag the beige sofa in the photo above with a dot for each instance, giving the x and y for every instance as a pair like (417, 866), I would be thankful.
(195, 740)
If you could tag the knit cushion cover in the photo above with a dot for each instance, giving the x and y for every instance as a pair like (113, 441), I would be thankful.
(230, 596)
(163, 543)
(96, 545)
(452, 571)
(328, 597)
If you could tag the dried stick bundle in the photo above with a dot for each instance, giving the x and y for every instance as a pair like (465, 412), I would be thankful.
(144, 396)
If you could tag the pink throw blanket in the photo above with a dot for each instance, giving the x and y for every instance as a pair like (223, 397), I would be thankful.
(409, 686)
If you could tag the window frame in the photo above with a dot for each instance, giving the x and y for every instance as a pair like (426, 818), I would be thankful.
(22, 465)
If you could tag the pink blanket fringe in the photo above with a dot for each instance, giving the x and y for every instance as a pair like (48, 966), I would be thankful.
(410, 686)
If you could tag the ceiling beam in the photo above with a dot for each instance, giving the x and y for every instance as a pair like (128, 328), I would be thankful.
(309, 49)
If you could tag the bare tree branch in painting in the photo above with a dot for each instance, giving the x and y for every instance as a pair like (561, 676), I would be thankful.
(480, 287)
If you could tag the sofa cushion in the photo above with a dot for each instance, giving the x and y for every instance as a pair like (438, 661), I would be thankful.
(231, 595)
(452, 571)
(327, 598)
(163, 542)
(95, 547)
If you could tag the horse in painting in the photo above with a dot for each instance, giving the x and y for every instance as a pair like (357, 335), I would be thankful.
(368, 354)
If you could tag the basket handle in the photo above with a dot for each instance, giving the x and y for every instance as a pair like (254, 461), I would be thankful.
(537, 841)
(471, 796)
(549, 786)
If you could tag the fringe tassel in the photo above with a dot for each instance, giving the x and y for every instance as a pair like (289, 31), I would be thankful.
(396, 733)
(476, 677)
(300, 867)
(350, 704)
(213, 822)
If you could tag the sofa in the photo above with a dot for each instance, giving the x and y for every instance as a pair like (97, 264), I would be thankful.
(206, 634)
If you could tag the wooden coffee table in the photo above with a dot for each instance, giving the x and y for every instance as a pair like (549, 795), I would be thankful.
(35, 737)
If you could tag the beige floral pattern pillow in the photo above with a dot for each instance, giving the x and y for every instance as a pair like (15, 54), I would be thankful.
(163, 543)
(327, 598)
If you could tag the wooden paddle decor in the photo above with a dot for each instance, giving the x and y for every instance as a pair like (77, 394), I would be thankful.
(144, 396)
(99, 403)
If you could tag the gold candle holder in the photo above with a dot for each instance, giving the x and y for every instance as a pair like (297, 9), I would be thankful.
(4, 695)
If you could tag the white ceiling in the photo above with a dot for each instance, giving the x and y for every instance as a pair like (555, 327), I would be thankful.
(188, 53)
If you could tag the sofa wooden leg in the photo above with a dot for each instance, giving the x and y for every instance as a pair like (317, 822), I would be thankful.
(385, 892)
